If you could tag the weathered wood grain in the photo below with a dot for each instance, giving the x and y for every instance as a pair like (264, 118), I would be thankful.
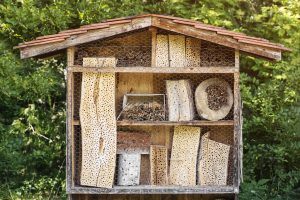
(213, 162)
(98, 127)
(184, 156)
(167, 70)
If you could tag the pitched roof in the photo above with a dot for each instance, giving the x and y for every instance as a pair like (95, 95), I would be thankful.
(252, 45)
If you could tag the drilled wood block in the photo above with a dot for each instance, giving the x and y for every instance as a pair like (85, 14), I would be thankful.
(159, 165)
(133, 142)
(98, 126)
(184, 155)
(177, 50)
(192, 52)
(180, 100)
(213, 162)
(129, 169)
(162, 51)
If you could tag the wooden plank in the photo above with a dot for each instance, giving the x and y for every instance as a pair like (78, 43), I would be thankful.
(169, 123)
(98, 127)
(145, 170)
(192, 52)
(70, 131)
(162, 51)
(184, 156)
(87, 37)
(167, 70)
(150, 189)
(215, 38)
(153, 47)
(129, 169)
(158, 165)
(213, 162)
(177, 50)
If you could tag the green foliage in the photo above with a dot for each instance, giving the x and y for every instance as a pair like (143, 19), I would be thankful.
(32, 93)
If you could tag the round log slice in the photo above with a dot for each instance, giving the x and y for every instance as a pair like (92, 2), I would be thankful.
(214, 99)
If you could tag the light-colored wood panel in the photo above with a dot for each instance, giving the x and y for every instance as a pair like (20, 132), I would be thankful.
(177, 50)
(213, 162)
(98, 127)
(184, 156)
(162, 51)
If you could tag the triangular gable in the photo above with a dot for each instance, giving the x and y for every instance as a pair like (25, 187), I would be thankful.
(88, 33)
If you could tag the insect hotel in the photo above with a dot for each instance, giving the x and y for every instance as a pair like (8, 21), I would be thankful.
(153, 105)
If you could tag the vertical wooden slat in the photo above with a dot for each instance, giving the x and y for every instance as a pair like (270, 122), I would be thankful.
(153, 49)
(69, 128)
(237, 59)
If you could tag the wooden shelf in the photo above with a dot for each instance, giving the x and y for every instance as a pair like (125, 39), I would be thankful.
(169, 123)
(151, 189)
(165, 70)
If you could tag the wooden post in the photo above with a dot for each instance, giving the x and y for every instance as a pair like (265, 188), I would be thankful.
(70, 129)
(237, 129)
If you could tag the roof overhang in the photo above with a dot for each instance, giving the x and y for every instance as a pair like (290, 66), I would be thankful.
(55, 43)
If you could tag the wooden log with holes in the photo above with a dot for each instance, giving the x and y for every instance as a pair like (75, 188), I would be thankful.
(213, 162)
(98, 125)
(213, 99)
(184, 156)
(129, 169)
(180, 100)
(158, 165)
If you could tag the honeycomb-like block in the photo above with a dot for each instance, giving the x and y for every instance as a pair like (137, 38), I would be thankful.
(162, 51)
(129, 169)
(177, 50)
(159, 165)
(192, 52)
(213, 162)
(98, 125)
(184, 155)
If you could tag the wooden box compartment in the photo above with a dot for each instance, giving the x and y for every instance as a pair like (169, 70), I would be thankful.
(145, 83)
(161, 132)
(161, 135)
(136, 49)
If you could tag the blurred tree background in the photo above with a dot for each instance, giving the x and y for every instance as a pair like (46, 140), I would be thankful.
(32, 92)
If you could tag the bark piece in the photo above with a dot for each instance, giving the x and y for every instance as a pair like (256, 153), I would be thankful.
(133, 142)
(202, 100)
(213, 162)
(184, 155)
(98, 125)
(180, 100)
(159, 165)
(129, 169)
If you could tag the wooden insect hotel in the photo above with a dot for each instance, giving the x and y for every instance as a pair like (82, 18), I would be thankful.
(153, 105)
